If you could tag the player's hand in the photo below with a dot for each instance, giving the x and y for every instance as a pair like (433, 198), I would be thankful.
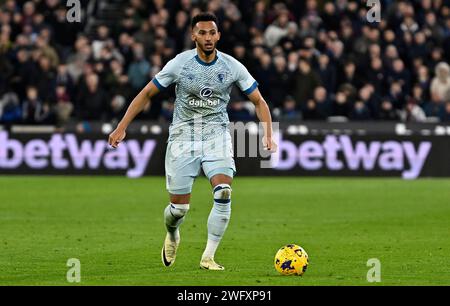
(269, 144)
(116, 137)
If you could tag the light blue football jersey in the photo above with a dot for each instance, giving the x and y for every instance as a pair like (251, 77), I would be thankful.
(202, 93)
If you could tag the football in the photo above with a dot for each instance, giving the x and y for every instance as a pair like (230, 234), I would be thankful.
(291, 260)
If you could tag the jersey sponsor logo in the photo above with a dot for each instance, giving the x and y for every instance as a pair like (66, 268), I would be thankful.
(206, 92)
(203, 103)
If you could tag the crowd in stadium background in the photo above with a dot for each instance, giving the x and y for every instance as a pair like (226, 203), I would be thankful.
(313, 59)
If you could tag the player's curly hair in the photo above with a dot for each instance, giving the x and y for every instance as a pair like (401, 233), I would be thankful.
(204, 16)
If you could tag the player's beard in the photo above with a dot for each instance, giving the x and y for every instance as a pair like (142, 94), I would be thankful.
(208, 52)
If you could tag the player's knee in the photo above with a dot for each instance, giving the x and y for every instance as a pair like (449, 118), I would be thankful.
(222, 193)
(179, 210)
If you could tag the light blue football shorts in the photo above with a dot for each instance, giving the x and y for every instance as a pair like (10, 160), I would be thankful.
(185, 159)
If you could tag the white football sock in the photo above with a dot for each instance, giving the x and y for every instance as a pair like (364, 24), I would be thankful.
(218, 219)
(210, 250)
(173, 217)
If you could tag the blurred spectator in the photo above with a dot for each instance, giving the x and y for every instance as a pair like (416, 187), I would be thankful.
(25, 72)
(63, 33)
(5, 42)
(29, 10)
(117, 108)
(418, 96)
(259, 16)
(376, 75)
(263, 73)
(235, 29)
(368, 107)
(419, 49)
(46, 81)
(292, 63)
(330, 17)
(126, 47)
(34, 111)
(312, 13)
(409, 24)
(348, 75)
(279, 81)
(239, 53)
(434, 108)
(423, 80)
(412, 112)
(362, 43)
(396, 95)
(289, 110)
(63, 107)
(400, 74)
(47, 51)
(360, 111)
(446, 113)
(390, 54)
(167, 111)
(440, 85)
(10, 110)
(291, 41)
(306, 29)
(309, 110)
(100, 40)
(7, 71)
(78, 59)
(146, 37)
(63, 78)
(116, 81)
(348, 35)
(305, 80)
(327, 73)
(139, 70)
(387, 111)
(341, 105)
(308, 49)
(92, 99)
(277, 30)
(432, 28)
(180, 32)
(319, 107)
(436, 56)
(239, 112)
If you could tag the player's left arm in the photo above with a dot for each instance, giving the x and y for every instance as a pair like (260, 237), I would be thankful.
(263, 113)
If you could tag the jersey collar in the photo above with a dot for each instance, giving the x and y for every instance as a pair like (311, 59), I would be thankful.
(207, 64)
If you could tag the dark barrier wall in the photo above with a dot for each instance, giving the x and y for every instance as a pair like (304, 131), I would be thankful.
(333, 155)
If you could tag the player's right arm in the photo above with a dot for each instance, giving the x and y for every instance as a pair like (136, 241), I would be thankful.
(137, 105)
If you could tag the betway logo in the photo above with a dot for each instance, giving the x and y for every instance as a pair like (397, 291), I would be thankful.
(338, 153)
(88, 154)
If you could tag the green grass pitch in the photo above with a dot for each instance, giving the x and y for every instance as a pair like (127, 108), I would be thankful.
(114, 226)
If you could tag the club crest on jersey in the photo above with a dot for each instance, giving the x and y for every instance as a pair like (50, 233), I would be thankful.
(221, 77)
(206, 92)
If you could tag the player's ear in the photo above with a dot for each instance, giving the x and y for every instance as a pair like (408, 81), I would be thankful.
(218, 33)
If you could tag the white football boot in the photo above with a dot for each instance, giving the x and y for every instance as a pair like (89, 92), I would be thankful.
(169, 250)
(210, 264)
